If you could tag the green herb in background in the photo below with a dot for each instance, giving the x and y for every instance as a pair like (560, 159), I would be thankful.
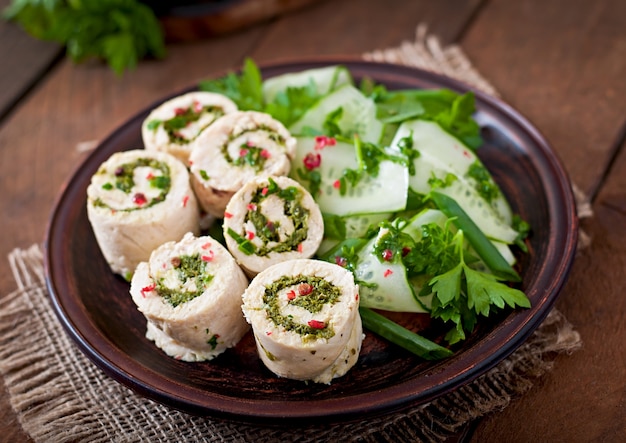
(120, 32)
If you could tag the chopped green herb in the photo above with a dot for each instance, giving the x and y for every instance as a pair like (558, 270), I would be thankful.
(153, 125)
(322, 293)
(193, 268)
(485, 186)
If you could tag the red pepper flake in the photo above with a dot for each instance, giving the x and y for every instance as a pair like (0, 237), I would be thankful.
(227, 215)
(312, 161)
(341, 261)
(268, 333)
(119, 172)
(321, 141)
(197, 106)
(250, 235)
(305, 288)
(139, 199)
(300, 247)
(265, 153)
(185, 201)
(405, 251)
(264, 191)
(356, 297)
(179, 111)
(316, 324)
(251, 207)
(337, 184)
(387, 254)
(150, 176)
(291, 295)
(207, 245)
(149, 288)
(243, 152)
(208, 257)
(466, 153)
(387, 273)
(190, 163)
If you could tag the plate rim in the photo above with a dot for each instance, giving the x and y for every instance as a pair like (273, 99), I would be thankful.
(349, 407)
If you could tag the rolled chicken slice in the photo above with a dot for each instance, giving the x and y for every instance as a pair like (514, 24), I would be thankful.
(305, 319)
(190, 292)
(176, 123)
(269, 220)
(136, 201)
(232, 151)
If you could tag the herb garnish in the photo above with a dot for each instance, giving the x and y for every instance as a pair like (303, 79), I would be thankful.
(118, 31)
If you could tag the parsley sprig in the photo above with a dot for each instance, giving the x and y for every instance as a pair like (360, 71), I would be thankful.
(460, 292)
(246, 90)
(121, 32)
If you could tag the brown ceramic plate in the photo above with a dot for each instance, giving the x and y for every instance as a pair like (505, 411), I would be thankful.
(95, 308)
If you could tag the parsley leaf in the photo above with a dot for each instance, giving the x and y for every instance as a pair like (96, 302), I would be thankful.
(244, 89)
(119, 32)
(454, 112)
(461, 294)
(289, 105)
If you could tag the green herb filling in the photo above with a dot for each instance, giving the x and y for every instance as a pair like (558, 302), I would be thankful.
(322, 293)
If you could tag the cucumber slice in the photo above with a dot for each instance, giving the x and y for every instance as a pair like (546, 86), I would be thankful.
(386, 285)
(358, 117)
(325, 79)
(425, 217)
(505, 251)
(387, 192)
(480, 212)
(357, 225)
(441, 155)
(449, 155)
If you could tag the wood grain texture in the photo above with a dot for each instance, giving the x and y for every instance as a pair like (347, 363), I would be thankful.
(352, 27)
(563, 64)
(25, 60)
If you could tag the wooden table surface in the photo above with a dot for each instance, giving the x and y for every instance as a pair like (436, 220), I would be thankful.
(561, 63)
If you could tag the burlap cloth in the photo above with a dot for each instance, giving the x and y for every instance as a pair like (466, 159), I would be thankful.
(60, 396)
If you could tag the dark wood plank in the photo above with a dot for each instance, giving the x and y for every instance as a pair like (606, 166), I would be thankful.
(350, 27)
(562, 64)
(25, 60)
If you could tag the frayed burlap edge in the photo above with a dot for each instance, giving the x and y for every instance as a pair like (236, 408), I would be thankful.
(59, 396)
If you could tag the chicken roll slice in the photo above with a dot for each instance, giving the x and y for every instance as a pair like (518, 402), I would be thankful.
(269, 220)
(235, 149)
(190, 292)
(176, 123)
(136, 201)
(305, 319)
